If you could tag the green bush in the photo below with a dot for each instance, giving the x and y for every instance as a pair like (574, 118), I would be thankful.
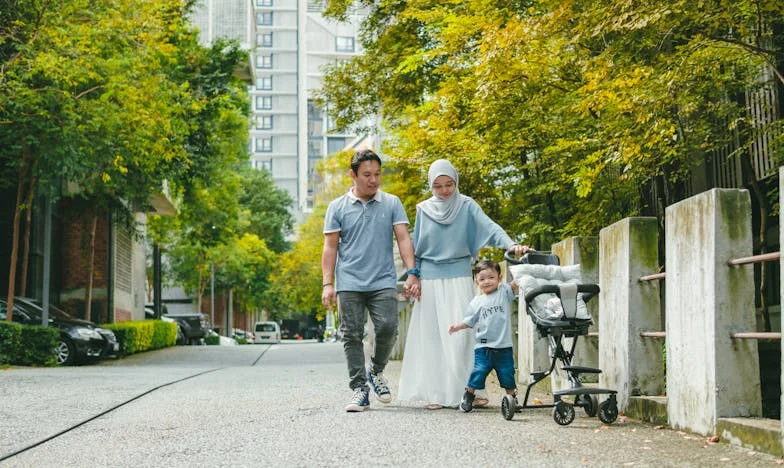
(135, 337)
(212, 340)
(164, 334)
(38, 346)
(10, 341)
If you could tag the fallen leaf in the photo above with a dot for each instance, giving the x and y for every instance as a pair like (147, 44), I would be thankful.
(725, 459)
(658, 427)
(713, 440)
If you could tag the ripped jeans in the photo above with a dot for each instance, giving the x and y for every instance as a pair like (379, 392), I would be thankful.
(354, 308)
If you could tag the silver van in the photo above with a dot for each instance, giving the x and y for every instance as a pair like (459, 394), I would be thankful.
(267, 332)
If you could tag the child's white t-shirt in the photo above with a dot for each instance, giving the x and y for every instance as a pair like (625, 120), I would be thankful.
(490, 315)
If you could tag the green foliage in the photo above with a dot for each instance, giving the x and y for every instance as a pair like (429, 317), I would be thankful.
(136, 337)
(10, 341)
(37, 346)
(561, 117)
(265, 208)
(212, 340)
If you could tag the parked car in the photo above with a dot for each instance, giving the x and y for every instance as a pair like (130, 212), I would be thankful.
(194, 326)
(267, 332)
(238, 333)
(80, 340)
(149, 313)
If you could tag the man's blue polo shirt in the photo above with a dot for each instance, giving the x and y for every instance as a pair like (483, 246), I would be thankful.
(365, 256)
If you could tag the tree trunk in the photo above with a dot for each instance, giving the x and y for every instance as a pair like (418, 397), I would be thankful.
(88, 291)
(15, 233)
(28, 230)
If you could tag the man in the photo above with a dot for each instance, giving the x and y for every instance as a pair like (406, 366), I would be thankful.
(358, 270)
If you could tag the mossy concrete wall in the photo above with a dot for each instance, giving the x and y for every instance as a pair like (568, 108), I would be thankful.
(631, 364)
(583, 251)
(709, 374)
(781, 285)
(532, 348)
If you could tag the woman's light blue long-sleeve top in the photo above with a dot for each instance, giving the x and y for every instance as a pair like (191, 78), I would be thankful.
(448, 250)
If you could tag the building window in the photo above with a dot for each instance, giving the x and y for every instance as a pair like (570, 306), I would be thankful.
(264, 18)
(264, 83)
(264, 145)
(264, 61)
(263, 165)
(263, 3)
(264, 102)
(264, 40)
(265, 123)
(344, 44)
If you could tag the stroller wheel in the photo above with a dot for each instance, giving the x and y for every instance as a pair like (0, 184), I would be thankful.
(608, 411)
(563, 413)
(589, 403)
(508, 407)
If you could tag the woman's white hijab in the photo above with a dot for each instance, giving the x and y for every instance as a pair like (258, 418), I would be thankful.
(440, 210)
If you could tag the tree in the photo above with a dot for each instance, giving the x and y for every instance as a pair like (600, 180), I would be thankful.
(266, 208)
(561, 117)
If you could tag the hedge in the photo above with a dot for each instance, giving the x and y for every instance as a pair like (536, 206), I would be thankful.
(135, 337)
(28, 345)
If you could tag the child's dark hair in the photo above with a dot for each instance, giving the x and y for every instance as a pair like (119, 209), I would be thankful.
(486, 265)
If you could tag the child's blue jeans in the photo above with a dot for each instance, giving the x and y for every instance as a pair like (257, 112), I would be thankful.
(487, 359)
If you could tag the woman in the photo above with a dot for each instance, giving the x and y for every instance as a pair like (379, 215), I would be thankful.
(449, 231)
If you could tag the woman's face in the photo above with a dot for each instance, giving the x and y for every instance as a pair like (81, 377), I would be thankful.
(443, 187)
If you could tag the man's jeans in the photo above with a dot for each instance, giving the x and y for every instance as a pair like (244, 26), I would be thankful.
(353, 308)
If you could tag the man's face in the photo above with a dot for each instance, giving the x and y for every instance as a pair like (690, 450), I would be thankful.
(367, 179)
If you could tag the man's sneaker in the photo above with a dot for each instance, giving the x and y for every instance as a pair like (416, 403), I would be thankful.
(380, 386)
(360, 401)
(467, 403)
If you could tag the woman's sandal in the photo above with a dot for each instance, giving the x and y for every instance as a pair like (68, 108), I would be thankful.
(480, 402)
(434, 406)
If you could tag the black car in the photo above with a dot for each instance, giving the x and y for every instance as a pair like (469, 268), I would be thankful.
(80, 340)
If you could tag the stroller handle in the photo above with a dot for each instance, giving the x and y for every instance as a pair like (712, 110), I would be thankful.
(589, 290)
(532, 257)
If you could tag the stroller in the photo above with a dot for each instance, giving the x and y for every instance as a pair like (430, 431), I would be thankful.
(557, 309)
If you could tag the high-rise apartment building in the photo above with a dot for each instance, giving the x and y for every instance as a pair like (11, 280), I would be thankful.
(289, 42)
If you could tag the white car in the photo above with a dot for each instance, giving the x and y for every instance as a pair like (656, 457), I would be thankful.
(267, 332)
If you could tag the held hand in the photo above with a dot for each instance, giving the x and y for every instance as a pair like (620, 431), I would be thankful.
(413, 287)
(520, 250)
(453, 328)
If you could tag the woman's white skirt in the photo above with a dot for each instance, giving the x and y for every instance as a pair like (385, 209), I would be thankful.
(436, 365)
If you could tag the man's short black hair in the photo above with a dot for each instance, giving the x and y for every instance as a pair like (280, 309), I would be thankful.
(361, 156)
(486, 265)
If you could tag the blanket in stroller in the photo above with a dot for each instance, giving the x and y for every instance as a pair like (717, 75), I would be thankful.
(549, 306)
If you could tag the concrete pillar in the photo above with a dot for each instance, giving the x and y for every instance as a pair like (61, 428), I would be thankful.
(710, 375)
(630, 364)
(532, 349)
(585, 252)
(781, 285)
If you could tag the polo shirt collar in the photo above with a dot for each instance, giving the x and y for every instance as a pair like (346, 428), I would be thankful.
(354, 198)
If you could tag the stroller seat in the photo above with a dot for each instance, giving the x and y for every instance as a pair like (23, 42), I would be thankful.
(555, 300)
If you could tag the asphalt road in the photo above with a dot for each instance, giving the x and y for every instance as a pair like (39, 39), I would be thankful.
(283, 405)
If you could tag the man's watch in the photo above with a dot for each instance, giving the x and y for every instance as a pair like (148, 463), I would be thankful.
(414, 271)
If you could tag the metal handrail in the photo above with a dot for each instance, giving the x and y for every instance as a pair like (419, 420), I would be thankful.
(770, 256)
(655, 276)
(653, 334)
(756, 335)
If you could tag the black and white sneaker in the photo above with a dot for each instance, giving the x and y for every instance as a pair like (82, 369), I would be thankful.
(467, 403)
(380, 386)
(360, 401)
